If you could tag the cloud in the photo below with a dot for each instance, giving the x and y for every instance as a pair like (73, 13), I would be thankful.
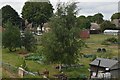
(88, 7)
(91, 8)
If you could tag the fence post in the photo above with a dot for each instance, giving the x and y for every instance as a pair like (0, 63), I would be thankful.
(21, 72)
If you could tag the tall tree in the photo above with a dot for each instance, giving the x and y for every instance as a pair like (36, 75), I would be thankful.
(115, 16)
(90, 18)
(83, 22)
(11, 37)
(9, 14)
(107, 25)
(37, 13)
(98, 18)
(62, 44)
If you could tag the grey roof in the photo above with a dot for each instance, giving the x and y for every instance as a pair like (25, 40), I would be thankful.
(104, 62)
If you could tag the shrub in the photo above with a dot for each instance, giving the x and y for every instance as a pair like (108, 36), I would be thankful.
(112, 40)
(109, 41)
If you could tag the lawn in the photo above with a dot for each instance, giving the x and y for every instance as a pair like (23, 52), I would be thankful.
(93, 43)
(16, 60)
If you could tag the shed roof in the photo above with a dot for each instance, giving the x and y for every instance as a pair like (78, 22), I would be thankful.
(94, 26)
(112, 31)
(107, 63)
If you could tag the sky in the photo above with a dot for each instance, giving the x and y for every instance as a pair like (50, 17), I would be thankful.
(87, 7)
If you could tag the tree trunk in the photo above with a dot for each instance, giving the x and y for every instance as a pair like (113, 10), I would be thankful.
(41, 25)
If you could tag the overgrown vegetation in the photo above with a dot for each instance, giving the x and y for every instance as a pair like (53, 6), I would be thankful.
(11, 37)
(109, 41)
(62, 44)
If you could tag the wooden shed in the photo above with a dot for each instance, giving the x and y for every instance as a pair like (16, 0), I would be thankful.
(85, 34)
(104, 68)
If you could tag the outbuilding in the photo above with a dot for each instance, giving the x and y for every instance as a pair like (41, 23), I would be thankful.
(104, 68)
(111, 32)
(95, 28)
(85, 34)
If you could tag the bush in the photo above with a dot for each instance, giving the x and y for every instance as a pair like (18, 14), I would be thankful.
(112, 40)
(109, 41)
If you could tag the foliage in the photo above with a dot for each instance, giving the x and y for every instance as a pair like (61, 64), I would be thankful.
(107, 25)
(115, 16)
(98, 18)
(9, 14)
(90, 18)
(61, 44)
(11, 37)
(110, 41)
(29, 41)
(83, 22)
(24, 65)
(37, 13)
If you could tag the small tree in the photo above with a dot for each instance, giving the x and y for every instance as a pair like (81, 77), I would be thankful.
(29, 41)
(90, 18)
(61, 44)
(11, 37)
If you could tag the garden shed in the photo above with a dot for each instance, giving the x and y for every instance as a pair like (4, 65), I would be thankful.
(104, 68)
(85, 34)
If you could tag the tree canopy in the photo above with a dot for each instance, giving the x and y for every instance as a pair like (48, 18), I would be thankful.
(83, 22)
(115, 16)
(37, 13)
(9, 14)
(98, 18)
(107, 25)
(90, 18)
(62, 44)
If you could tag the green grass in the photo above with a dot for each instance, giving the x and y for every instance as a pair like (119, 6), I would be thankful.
(11, 58)
(98, 38)
(93, 43)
